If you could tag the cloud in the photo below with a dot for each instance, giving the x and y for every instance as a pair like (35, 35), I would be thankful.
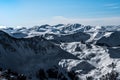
(2, 27)
(64, 20)
(115, 7)
(112, 6)
(84, 21)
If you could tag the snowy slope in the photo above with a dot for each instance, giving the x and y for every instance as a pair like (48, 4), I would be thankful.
(62, 52)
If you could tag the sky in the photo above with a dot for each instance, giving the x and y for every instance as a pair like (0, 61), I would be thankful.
(37, 12)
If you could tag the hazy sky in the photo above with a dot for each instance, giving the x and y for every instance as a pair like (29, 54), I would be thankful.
(37, 12)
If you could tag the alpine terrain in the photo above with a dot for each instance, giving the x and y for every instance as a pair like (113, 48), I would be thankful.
(60, 52)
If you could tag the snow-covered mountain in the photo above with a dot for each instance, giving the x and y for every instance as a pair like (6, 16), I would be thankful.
(61, 52)
(60, 29)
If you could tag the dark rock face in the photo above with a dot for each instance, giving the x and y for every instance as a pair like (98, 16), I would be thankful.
(72, 75)
(52, 73)
(76, 37)
(78, 48)
(84, 66)
(57, 74)
(11, 75)
(41, 74)
(114, 53)
(111, 41)
(26, 55)
(110, 76)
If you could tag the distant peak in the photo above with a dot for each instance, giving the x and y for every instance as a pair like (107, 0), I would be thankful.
(59, 25)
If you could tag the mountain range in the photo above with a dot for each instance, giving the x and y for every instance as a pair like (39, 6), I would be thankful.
(60, 52)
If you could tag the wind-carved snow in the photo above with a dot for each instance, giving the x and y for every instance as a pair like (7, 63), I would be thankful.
(96, 56)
